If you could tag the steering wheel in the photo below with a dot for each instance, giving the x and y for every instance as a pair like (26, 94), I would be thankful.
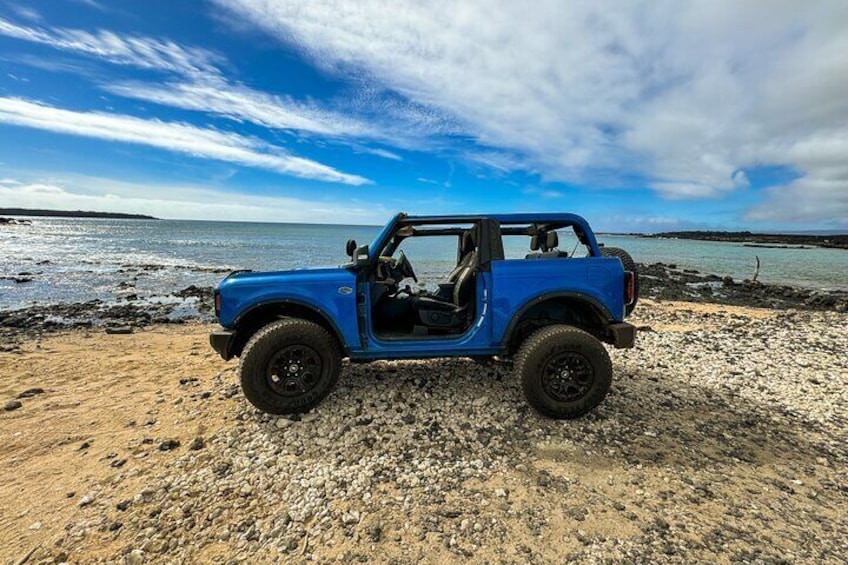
(405, 267)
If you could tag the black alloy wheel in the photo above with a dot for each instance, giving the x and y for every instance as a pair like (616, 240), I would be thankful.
(289, 366)
(294, 370)
(565, 371)
(567, 377)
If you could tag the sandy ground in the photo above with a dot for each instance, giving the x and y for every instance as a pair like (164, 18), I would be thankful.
(107, 399)
(98, 435)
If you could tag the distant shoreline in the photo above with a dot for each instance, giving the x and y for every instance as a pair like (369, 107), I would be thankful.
(73, 214)
(775, 240)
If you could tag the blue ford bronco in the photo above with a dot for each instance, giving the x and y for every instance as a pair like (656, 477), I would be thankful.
(550, 310)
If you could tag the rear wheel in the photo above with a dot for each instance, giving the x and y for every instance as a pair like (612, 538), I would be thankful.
(565, 372)
(289, 366)
(629, 265)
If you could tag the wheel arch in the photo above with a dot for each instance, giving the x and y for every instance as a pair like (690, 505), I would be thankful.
(257, 316)
(574, 308)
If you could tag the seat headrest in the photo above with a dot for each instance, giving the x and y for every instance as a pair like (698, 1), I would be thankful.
(467, 245)
(534, 243)
(551, 240)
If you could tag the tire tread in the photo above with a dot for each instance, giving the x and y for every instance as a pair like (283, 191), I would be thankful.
(273, 332)
(534, 345)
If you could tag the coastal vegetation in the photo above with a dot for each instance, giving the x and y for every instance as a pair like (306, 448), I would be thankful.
(68, 214)
(838, 241)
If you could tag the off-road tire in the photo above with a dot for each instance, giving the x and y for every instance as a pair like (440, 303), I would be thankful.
(553, 343)
(261, 350)
(629, 265)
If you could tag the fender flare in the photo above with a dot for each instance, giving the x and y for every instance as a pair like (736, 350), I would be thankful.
(326, 318)
(596, 304)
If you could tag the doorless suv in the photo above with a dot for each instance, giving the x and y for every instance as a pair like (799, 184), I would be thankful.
(512, 291)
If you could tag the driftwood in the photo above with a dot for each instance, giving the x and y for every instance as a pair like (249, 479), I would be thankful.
(26, 557)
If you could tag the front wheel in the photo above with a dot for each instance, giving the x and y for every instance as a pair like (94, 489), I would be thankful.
(289, 366)
(565, 372)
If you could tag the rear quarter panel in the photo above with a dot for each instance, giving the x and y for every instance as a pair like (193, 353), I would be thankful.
(517, 282)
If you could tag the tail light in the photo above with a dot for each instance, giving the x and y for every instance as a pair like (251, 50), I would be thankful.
(217, 303)
(629, 287)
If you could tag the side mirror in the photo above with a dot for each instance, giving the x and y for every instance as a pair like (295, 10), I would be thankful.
(350, 247)
(360, 255)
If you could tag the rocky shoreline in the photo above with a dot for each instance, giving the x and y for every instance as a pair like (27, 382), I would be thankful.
(658, 281)
(668, 282)
(127, 313)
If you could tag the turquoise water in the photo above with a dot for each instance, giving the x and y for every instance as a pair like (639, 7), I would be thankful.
(75, 260)
(813, 268)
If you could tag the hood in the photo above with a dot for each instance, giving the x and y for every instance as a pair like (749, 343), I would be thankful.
(302, 274)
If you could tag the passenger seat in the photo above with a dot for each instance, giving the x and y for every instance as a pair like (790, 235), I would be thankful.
(535, 244)
(550, 250)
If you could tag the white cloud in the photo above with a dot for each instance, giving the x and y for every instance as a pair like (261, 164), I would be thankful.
(26, 12)
(545, 193)
(217, 96)
(814, 201)
(92, 4)
(77, 192)
(172, 136)
(140, 52)
(37, 189)
(640, 223)
(685, 94)
(381, 153)
(198, 83)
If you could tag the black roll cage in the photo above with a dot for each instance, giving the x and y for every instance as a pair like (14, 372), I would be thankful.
(488, 235)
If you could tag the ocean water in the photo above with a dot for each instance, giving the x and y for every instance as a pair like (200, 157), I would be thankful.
(75, 260)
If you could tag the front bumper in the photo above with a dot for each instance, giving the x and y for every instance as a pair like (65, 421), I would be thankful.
(221, 341)
(623, 335)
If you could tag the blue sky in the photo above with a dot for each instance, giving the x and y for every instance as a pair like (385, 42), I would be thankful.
(641, 116)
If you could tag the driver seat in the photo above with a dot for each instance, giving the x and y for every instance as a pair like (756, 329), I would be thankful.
(450, 313)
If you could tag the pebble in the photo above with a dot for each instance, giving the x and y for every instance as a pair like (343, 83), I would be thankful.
(169, 445)
(283, 423)
(12, 405)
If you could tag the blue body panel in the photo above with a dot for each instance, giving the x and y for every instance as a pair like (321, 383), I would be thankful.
(502, 292)
(316, 288)
(519, 282)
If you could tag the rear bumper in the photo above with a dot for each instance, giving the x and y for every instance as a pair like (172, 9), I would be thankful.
(221, 341)
(623, 335)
